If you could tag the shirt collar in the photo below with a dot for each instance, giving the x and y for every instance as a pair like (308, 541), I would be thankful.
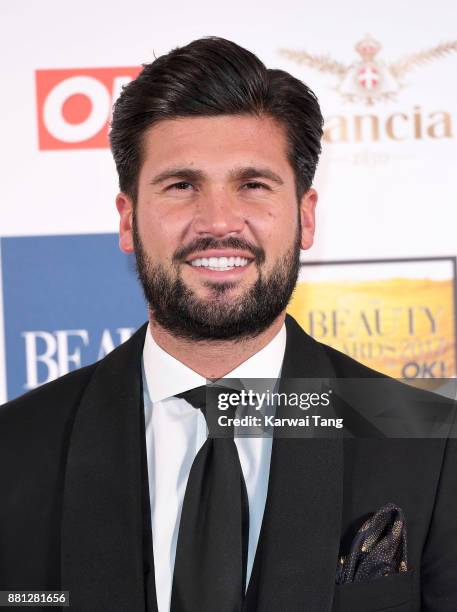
(165, 376)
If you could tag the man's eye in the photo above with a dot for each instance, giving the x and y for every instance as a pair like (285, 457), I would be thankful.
(181, 186)
(254, 185)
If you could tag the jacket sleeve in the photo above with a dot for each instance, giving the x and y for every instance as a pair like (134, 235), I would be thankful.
(439, 560)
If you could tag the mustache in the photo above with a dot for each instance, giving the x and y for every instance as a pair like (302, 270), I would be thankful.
(231, 242)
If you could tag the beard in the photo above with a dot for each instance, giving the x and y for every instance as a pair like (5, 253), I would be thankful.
(177, 309)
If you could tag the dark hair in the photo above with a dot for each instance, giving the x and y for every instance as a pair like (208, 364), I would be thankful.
(214, 76)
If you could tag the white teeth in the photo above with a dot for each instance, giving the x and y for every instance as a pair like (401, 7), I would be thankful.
(219, 263)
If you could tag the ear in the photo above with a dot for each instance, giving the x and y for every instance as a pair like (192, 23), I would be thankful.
(124, 206)
(308, 218)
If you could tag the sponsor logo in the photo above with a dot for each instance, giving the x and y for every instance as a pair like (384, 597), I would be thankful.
(49, 355)
(401, 321)
(78, 301)
(397, 127)
(74, 105)
(369, 79)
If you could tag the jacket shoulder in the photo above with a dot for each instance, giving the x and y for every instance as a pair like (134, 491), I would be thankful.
(53, 400)
(347, 367)
(34, 434)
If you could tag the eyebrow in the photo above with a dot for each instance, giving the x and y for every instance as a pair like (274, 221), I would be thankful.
(240, 174)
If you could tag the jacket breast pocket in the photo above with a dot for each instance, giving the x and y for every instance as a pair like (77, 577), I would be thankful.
(393, 592)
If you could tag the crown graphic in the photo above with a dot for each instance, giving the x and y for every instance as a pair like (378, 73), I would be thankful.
(368, 47)
(368, 79)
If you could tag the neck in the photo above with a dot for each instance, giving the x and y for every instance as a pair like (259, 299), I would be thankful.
(213, 358)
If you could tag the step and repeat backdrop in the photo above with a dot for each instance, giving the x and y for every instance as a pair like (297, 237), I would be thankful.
(380, 282)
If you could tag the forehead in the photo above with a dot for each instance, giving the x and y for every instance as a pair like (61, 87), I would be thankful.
(222, 141)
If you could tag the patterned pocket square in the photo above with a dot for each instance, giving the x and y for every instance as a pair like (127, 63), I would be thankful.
(379, 548)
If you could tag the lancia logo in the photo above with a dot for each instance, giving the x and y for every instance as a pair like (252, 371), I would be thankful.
(369, 79)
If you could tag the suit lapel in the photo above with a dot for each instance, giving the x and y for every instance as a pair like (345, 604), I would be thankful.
(296, 557)
(106, 556)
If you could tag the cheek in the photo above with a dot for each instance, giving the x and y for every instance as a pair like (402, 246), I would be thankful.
(159, 233)
(162, 228)
(275, 231)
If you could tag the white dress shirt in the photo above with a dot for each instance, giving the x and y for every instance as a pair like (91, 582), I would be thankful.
(175, 432)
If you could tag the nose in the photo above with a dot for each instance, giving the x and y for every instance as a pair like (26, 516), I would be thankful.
(218, 214)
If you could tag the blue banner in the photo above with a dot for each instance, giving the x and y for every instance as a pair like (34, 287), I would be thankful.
(67, 300)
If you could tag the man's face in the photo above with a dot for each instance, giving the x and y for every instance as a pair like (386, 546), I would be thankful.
(217, 228)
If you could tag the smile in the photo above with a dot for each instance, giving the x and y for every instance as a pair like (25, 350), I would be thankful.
(219, 264)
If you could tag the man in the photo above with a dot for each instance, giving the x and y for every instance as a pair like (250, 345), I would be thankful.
(110, 487)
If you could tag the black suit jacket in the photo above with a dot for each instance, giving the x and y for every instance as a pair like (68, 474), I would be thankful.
(74, 509)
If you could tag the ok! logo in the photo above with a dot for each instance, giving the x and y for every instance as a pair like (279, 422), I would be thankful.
(75, 105)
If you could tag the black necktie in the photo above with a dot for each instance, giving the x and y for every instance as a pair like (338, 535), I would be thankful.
(211, 554)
